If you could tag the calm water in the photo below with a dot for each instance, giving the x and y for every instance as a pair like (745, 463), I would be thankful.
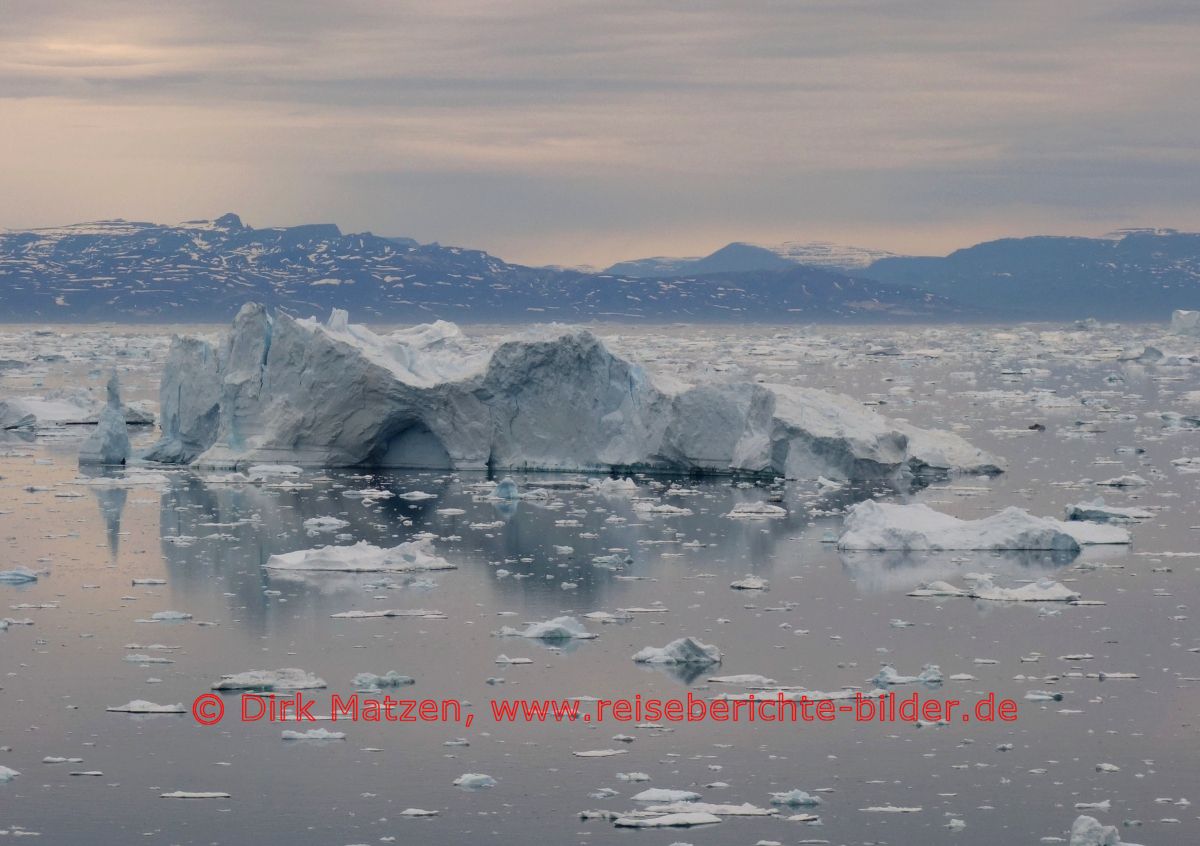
(824, 624)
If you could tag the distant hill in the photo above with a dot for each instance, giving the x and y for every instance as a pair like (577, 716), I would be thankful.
(741, 256)
(204, 270)
(1130, 275)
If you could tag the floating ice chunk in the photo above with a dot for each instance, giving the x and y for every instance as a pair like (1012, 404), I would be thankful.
(141, 706)
(506, 489)
(1088, 831)
(1184, 322)
(665, 794)
(1098, 512)
(680, 820)
(17, 576)
(743, 680)
(560, 628)
(889, 809)
(931, 674)
(288, 678)
(756, 511)
(362, 557)
(614, 487)
(416, 496)
(194, 794)
(685, 650)
(387, 612)
(474, 781)
(1131, 480)
(744, 810)
(872, 525)
(170, 616)
(795, 799)
(599, 753)
(418, 812)
(750, 583)
(8, 773)
(389, 679)
(324, 524)
(633, 777)
(1043, 590)
(312, 734)
(661, 509)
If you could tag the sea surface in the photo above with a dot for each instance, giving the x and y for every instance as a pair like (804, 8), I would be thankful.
(827, 621)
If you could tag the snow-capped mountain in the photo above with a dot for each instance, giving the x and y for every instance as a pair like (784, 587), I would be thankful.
(204, 270)
(744, 256)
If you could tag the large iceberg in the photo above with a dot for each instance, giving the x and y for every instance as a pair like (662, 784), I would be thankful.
(555, 398)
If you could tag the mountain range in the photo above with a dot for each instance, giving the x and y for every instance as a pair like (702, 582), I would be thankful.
(204, 270)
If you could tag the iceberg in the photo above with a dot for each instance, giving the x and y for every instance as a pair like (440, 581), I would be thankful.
(872, 525)
(1185, 322)
(109, 442)
(931, 674)
(1097, 512)
(1089, 831)
(1043, 590)
(553, 398)
(686, 650)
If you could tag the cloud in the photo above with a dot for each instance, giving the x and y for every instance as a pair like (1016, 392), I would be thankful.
(559, 130)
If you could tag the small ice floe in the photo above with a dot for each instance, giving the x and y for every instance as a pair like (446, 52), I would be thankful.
(167, 617)
(599, 753)
(138, 658)
(418, 812)
(362, 557)
(751, 582)
(8, 773)
(18, 576)
(148, 582)
(685, 650)
(679, 820)
(613, 487)
(795, 799)
(744, 810)
(666, 794)
(474, 781)
(141, 706)
(634, 777)
(756, 511)
(660, 509)
(262, 472)
(288, 678)
(1105, 805)
(504, 659)
(416, 496)
(1043, 590)
(389, 679)
(388, 612)
(312, 734)
(1131, 480)
(560, 628)
(874, 525)
(743, 680)
(194, 794)
(56, 759)
(1097, 512)
(315, 525)
(889, 809)
(930, 674)
(506, 489)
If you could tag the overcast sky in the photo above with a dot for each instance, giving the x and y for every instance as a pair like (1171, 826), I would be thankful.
(587, 132)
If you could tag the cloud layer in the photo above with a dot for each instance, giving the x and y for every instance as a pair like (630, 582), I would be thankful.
(557, 130)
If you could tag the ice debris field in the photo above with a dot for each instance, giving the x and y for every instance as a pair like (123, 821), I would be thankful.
(295, 506)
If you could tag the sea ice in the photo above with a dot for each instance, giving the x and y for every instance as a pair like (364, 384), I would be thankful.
(141, 706)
